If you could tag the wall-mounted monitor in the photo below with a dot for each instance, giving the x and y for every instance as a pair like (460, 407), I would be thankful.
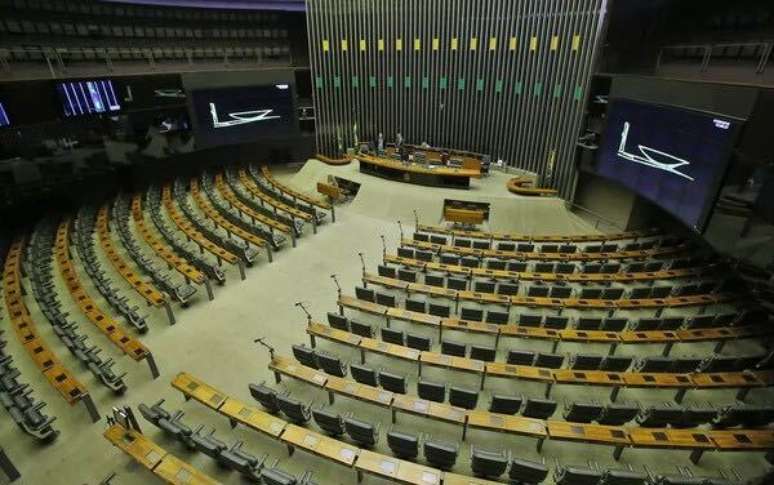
(81, 98)
(243, 114)
(673, 157)
(4, 120)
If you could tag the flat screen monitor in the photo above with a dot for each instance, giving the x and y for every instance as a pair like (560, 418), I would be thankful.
(671, 156)
(226, 116)
(4, 120)
(81, 98)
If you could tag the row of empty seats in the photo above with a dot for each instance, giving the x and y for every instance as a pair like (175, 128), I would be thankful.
(646, 234)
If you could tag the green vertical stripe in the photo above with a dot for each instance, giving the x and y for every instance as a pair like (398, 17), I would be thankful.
(442, 83)
(578, 93)
(355, 82)
(461, 84)
(318, 82)
(557, 90)
(407, 82)
(538, 89)
(390, 81)
(479, 84)
(372, 81)
(518, 87)
(336, 82)
(499, 86)
(425, 82)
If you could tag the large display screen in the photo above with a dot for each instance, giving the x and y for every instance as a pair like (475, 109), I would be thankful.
(227, 116)
(88, 97)
(674, 157)
(4, 121)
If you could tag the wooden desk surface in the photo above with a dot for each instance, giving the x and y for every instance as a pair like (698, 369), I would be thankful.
(670, 438)
(455, 479)
(452, 362)
(221, 221)
(251, 187)
(198, 390)
(225, 190)
(510, 424)
(397, 470)
(289, 366)
(252, 417)
(134, 444)
(361, 392)
(512, 236)
(594, 433)
(417, 167)
(431, 409)
(178, 472)
(320, 444)
(465, 216)
(393, 350)
(762, 439)
(298, 195)
(336, 335)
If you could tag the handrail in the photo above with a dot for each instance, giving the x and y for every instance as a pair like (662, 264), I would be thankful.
(599, 217)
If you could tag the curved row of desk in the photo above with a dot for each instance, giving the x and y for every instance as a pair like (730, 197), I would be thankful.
(743, 380)
(695, 439)
(525, 186)
(296, 437)
(512, 236)
(45, 359)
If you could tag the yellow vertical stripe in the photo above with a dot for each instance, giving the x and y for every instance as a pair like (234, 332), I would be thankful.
(454, 44)
(398, 44)
(576, 40)
(380, 44)
(417, 44)
(326, 45)
(344, 44)
(533, 43)
(473, 43)
(492, 43)
(362, 45)
(554, 42)
(435, 43)
(512, 44)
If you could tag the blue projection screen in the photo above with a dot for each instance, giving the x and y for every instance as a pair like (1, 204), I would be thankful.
(674, 157)
(88, 97)
(4, 121)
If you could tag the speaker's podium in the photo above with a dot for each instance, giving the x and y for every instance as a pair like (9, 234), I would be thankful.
(418, 173)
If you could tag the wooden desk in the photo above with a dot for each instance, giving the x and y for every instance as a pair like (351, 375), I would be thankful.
(293, 193)
(464, 216)
(320, 445)
(533, 428)
(249, 184)
(512, 236)
(333, 161)
(429, 409)
(225, 191)
(525, 186)
(416, 173)
(328, 190)
(200, 391)
(589, 433)
(177, 472)
(239, 413)
(395, 470)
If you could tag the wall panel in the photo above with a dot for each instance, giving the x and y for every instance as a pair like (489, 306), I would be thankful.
(503, 77)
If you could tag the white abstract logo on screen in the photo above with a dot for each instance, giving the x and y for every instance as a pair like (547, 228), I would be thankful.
(651, 157)
(240, 117)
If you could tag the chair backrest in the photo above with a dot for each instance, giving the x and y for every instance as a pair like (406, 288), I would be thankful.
(496, 264)
(616, 414)
(426, 256)
(588, 323)
(418, 342)
(624, 477)
(484, 287)
(582, 412)
(614, 324)
(565, 268)
(457, 284)
(434, 280)
(585, 362)
(555, 322)
(294, 409)
(496, 317)
(365, 294)
(517, 266)
(393, 336)
(525, 247)
(442, 311)
(529, 320)
(462, 243)
(407, 275)
(560, 292)
(266, 396)
(520, 357)
(331, 364)
(539, 408)
(537, 291)
(464, 398)
(483, 352)
(571, 475)
(506, 246)
(451, 259)
(544, 267)
(305, 356)
(275, 476)
(364, 434)
(406, 253)
(416, 306)
(337, 321)
(616, 363)
(503, 404)
(527, 472)
(403, 445)
(432, 391)
(385, 299)
(364, 375)
(473, 314)
(450, 347)
(441, 455)
(508, 289)
(387, 271)
(488, 464)
(328, 421)
(469, 262)
(478, 244)
(392, 382)
(361, 328)
(552, 361)
(654, 364)
(420, 236)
